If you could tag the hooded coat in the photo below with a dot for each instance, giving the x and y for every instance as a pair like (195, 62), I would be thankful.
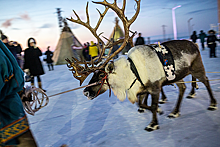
(13, 121)
(32, 60)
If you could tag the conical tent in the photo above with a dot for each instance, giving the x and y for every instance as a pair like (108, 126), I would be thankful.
(63, 49)
(118, 33)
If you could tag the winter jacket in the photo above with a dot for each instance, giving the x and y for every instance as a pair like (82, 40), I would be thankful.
(13, 121)
(32, 61)
(93, 50)
(140, 41)
(49, 56)
(211, 41)
(202, 37)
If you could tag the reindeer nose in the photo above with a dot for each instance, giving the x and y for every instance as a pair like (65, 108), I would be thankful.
(86, 93)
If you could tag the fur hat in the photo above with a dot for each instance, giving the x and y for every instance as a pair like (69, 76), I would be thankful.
(211, 32)
(30, 40)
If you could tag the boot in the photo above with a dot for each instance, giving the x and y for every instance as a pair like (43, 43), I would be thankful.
(40, 86)
(32, 84)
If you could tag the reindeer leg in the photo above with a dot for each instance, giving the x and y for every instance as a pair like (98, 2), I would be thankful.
(154, 105)
(213, 105)
(163, 98)
(192, 92)
(176, 112)
(142, 102)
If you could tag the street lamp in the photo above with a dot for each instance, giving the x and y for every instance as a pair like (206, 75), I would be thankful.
(174, 22)
(189, 27)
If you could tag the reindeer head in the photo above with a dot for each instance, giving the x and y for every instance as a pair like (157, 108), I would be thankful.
(81, 69)
(101, 77)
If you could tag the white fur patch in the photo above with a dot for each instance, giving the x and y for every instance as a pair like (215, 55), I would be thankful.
(184, 61)
(121, 79)
(147, 63)
(149, 68)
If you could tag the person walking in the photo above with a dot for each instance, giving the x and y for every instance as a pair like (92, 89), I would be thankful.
(14, 126)
(194, 37)
(32, 62)
(211, 43)
(139, 40)
(49, 60)
(93, 50)
(202, 37)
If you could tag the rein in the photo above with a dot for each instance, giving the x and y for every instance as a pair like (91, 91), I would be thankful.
(102, 82)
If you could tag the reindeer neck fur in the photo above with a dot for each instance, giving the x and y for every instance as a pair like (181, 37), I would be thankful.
(122, 76)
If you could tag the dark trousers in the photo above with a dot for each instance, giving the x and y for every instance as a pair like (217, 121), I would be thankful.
(50, 65)
(212, 51)
(203, 45)
(32, 79)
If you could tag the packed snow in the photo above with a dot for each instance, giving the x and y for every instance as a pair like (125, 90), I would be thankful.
(74, 120)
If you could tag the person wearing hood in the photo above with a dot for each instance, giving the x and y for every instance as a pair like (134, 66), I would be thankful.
(14, 126)
(32, 61)
(93, 50)
(211, 43)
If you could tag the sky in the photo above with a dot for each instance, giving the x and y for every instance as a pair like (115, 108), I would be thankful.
(22, 19)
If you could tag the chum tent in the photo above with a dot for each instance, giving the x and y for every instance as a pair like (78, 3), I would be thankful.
(64, 47)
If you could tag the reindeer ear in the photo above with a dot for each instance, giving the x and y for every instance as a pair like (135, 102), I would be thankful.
(109, 67)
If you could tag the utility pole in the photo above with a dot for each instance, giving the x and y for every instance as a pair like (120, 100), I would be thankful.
(164, 32)
(189, 27)
(174, 22)
(60, 18)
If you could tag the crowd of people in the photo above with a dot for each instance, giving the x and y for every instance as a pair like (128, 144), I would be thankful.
(210, 39)
(90, 50)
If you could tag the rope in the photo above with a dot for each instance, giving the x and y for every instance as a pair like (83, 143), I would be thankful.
(212, 72)
(74, 89)
(197, 81)
(98, 83)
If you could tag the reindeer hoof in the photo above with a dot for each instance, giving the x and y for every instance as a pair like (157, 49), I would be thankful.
(160, 111)
(212, 108)
(162, 101)
(152, 127)
(191, 96)
(141, 110)
(174, 115)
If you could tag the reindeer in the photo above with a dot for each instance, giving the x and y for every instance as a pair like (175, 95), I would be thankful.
(117, 75)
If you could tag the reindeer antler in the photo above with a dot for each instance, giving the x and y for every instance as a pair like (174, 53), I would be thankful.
(80, 69)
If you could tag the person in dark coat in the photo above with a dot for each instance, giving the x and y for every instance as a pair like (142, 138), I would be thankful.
(194, 37)
(49, 60)
(32, 61)
(211, 43)
(139, 40)
(202, 37)
(86, 52)
(10, 46)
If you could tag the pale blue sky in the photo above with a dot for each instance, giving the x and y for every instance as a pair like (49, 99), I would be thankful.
(21, 19)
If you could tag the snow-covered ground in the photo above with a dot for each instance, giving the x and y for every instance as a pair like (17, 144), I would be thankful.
(73, 120)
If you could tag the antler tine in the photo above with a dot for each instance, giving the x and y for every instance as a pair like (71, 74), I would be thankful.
(123, 7)
(136, 13)
(125, 21)
(87, 13)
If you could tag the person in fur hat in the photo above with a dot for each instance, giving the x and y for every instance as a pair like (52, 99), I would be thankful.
(32, 61)
(211, 43)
